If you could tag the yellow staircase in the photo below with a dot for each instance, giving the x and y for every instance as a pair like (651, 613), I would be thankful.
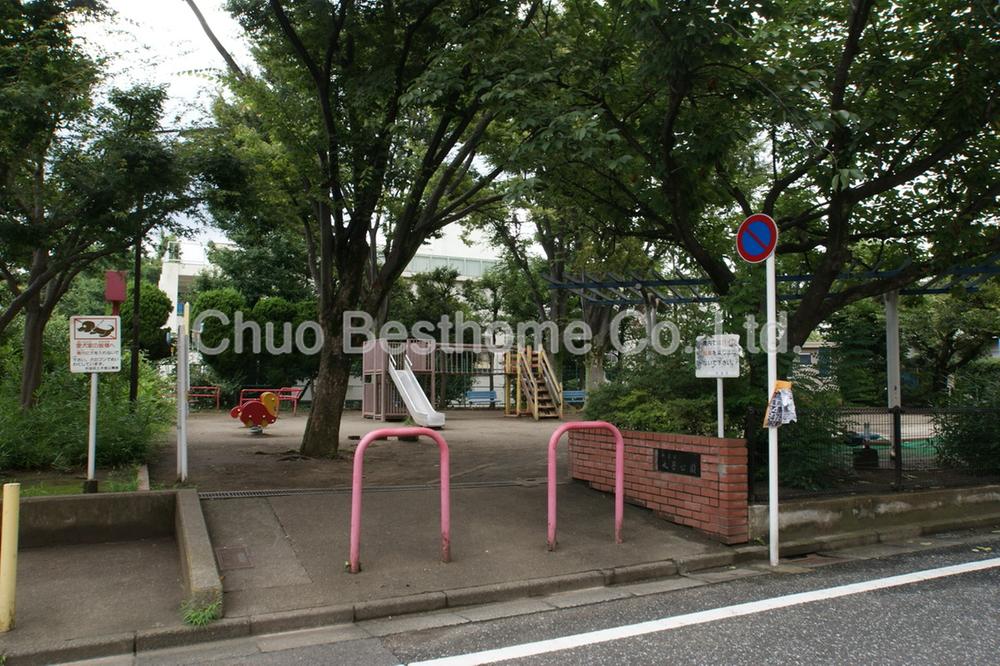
(531, 387)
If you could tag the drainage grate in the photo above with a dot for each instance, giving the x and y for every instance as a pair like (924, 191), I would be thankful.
(237, 494)
(233, 557)
(341, 490)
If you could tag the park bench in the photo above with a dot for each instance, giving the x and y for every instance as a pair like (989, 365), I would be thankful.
(574, 397)
(249, 394)
(480, 397)
(291, 394)
(214, 392)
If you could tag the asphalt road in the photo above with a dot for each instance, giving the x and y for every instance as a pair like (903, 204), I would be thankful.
(951, 619)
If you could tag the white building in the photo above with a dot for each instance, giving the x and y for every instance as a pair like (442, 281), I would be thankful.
(186, 260)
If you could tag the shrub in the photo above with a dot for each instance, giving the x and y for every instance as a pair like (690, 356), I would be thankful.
(644, 401)
(811, 450)
(969, 432)
(53, 434)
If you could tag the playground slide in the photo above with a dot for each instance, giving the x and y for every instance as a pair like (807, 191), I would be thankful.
(413, 395)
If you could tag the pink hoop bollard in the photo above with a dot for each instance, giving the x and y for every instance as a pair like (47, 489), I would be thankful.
(385, 433)
(619, 474)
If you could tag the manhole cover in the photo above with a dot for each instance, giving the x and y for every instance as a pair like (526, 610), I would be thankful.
(233, 557)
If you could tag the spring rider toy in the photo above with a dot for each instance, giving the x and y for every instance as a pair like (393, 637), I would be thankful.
(257, 414)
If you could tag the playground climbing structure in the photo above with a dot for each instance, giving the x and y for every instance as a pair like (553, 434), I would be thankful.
(531, 387)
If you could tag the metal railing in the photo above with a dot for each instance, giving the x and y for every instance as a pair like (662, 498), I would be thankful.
(866, 450)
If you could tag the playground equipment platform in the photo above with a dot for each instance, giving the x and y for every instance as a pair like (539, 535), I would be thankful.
(410, 377)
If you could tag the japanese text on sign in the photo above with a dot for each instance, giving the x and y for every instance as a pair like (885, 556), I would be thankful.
(95, 344)
(717, 356)
(781, 410)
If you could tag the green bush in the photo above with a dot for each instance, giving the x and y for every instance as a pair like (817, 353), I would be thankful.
(643, 400)
(53, 434)
(638, 410)
(969, 432)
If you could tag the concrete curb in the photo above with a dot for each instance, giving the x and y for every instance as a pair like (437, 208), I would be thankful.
(832, 542)
(77, 649)
(220, 630)
(142, 478)
(201, 577)
(306, 618)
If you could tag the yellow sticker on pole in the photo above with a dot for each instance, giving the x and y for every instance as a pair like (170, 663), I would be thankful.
(781, 409)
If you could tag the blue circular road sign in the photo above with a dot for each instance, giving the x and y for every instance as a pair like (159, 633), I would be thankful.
(756, 238)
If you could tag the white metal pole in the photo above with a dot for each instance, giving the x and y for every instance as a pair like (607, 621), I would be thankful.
(182, 398)
(92, 434)
(720, 410)
(772, 432)
(179, 396)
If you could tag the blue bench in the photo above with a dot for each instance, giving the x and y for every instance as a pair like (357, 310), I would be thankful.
(574, 397)
(481, 397)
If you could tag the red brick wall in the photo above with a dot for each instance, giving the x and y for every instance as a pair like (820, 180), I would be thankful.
(714, 503)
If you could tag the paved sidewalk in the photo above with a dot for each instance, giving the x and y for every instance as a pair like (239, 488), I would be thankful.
(283, 560)
(296, 547)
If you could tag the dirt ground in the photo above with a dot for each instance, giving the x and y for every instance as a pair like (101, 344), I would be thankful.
(486, 447)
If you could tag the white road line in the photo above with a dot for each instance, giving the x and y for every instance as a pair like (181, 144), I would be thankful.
(702, 617)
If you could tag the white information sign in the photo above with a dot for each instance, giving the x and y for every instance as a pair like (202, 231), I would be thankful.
(717, 356)
(95, 344)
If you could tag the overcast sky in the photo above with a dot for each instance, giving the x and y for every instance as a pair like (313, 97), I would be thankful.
(160, 41)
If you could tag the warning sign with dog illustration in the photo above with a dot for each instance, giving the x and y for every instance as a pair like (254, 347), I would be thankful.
(95, 344)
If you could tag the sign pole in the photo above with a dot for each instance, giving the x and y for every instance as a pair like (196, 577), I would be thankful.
(756, 241)
(91, 485)
(94, 347)
(719, 408)
(182, 398)
(772, 431)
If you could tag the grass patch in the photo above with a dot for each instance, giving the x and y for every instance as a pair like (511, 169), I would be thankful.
(43, 489)
(200, 616)
(44, 484)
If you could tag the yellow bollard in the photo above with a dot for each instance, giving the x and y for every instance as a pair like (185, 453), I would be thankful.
(8, 554)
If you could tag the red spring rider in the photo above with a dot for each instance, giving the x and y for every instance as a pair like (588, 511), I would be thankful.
(257, 414)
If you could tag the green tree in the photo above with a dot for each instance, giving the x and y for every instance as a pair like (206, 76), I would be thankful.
(277, 362)
(858, 359)
(78, 182)
(383, 111)
(943, 334)
(869, 136)
(154, 310)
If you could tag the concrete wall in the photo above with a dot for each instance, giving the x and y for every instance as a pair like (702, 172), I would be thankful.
(919, 512)
(107, 517)
(714, 502)
(98, 518)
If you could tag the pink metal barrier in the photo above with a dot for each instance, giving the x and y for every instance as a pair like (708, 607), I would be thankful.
(619, 474)
(359, 453)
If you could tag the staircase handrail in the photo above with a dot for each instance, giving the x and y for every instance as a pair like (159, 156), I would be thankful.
(549, 377)
(529, 381)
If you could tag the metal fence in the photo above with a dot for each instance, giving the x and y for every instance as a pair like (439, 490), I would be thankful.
(854, 451)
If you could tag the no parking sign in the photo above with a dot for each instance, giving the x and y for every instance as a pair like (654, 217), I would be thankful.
(756, 238)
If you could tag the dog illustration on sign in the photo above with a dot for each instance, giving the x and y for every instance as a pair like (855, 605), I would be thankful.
(90, 327)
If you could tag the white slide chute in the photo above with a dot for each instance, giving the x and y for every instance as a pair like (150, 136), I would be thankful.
(413, 395)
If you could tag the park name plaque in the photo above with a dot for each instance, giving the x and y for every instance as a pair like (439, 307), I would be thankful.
(678, 462)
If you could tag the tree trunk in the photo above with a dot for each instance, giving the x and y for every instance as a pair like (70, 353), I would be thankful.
(322, 435)
(595, 371)
(31, 363)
